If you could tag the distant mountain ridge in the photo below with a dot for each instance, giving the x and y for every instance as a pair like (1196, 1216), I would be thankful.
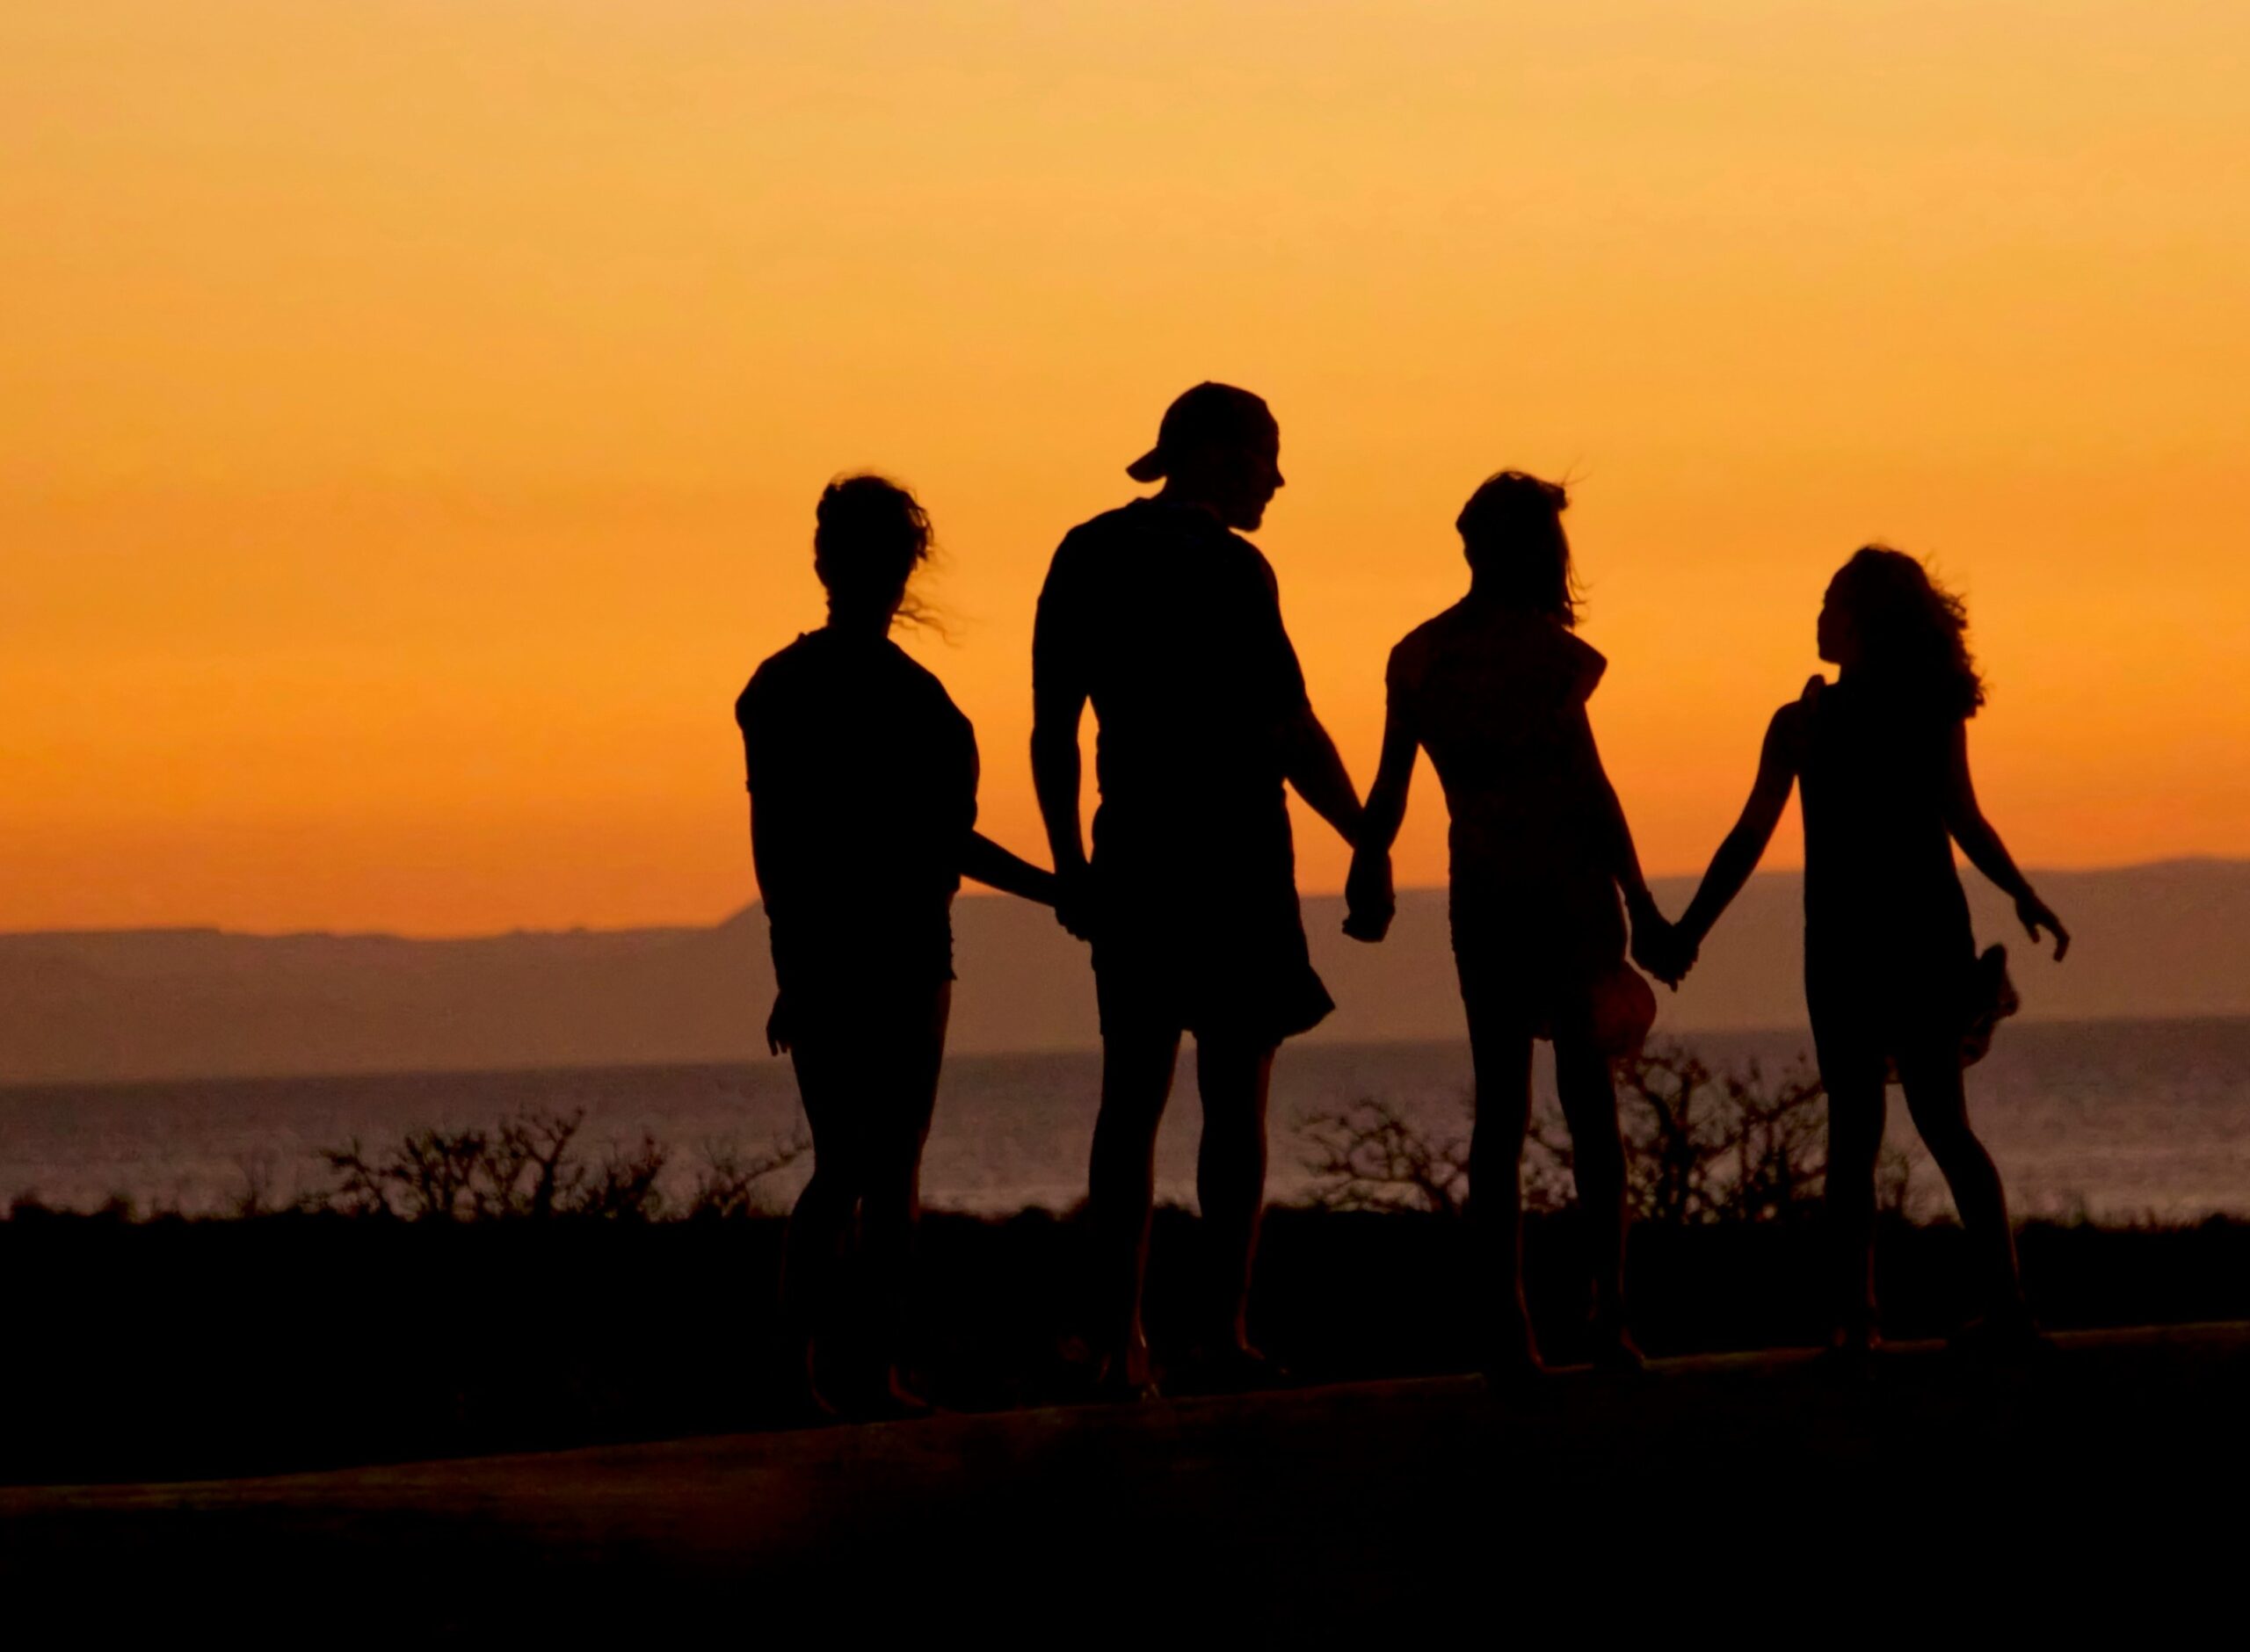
(2166, 939)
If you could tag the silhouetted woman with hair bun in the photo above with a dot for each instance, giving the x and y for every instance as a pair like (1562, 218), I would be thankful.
(1495, 690)
(863, 813)
(1892, 978)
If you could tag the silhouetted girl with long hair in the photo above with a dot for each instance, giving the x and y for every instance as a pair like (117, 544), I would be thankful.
(863, 811)
(1892, 979)
(1495, 690)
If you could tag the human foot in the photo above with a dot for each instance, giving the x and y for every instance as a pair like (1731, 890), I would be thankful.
(1613, 1349)
(1511, 1361)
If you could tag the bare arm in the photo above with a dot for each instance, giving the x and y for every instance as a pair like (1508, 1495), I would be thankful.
(1060, 688)
(989, 864)
(1369, 901)
(765, 834)
(1055, 767)
(1624, 859)
(1394, 776)
(1055, 776)
(1985, 850)
(766, 854)
(1745, 846)
(1312, 765)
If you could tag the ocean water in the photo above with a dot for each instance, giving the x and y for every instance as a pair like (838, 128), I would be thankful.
(2113, 1119)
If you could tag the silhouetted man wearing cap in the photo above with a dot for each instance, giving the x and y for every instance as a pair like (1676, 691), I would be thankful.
(1169, 623)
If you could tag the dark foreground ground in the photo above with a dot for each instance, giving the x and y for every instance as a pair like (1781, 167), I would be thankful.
(2099, 1491)
(159, 1350)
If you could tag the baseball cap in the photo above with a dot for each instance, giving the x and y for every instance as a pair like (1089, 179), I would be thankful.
(1210, 414)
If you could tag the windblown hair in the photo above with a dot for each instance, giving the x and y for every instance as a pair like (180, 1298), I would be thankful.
(871, 535)
(1914, 633)
(1512, 533)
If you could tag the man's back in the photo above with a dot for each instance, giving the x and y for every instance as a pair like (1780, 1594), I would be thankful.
(1171, 625)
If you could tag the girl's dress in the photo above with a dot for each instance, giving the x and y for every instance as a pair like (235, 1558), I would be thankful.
(1891, 962)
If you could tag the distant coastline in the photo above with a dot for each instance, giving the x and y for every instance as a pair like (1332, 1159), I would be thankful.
(2167, 940)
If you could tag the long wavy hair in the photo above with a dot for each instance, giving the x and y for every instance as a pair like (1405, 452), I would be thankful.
(1512, 533)
(871, 536)
(1913, 632)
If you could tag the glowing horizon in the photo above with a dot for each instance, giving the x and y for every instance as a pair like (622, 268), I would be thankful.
(414, 412)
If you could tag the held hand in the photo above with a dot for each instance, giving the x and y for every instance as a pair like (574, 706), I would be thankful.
(1074, 900)
(1662, 948)
(1651, 936)
(1364, 925)
(2037, 915)
(1369, 902)
(779, 1037)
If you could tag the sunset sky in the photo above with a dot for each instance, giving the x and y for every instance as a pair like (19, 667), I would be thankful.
(412, 414)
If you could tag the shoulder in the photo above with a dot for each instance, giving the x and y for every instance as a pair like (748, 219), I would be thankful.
(1084, 550)
(774, 676)
(1254, 563)
(923, 684)
(918, 676)
(1799, 713)
(1092, 536)
(1412, 655)
(1791, 724)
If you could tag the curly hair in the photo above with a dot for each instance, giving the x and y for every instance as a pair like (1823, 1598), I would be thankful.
(1913, 632)
(1512, 533)
(870, 536)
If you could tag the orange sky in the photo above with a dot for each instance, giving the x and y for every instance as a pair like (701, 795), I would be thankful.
(410, 413)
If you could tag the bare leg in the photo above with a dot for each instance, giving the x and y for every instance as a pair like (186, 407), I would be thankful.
(896, 1130)
(1135, 1082)
(1501, 1053)
(1856, 1103)
(1939, 1105)
(1589, 1098)
(820, 1225)
(1234, 1080)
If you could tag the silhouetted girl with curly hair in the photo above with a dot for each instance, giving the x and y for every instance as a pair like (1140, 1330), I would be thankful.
(1893, 982)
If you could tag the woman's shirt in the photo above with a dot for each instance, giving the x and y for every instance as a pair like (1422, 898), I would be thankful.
(863, 778)
(1496, 696)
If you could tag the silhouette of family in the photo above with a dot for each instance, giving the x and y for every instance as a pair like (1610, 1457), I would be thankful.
(862, 775)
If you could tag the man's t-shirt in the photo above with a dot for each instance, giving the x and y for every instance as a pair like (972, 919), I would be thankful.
(1172, 626)
(863, 780)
